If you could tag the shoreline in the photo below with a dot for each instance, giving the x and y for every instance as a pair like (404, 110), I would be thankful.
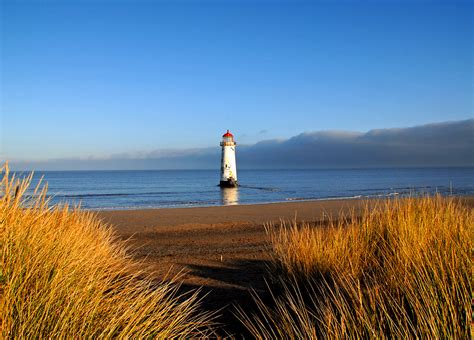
(287, 201)
(154, 219)
(358, 197)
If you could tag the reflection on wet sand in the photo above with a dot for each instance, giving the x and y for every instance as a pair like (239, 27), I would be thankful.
(230, 196)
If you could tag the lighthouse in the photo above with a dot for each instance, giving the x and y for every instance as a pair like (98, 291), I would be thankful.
(228, 164)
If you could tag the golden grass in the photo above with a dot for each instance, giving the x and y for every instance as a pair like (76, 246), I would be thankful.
(64, 274)
(401, 269)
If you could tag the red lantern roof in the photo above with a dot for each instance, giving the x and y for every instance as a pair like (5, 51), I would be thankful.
(228, 134)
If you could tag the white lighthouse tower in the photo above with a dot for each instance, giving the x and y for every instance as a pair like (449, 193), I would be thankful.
(228, 164)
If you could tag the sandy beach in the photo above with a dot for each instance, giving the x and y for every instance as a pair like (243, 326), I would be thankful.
(221, 249)
(193, 238)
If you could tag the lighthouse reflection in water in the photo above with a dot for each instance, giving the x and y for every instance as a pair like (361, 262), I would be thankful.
(230, 196)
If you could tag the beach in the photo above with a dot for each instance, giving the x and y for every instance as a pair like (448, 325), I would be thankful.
(186, 238)
(222, 250)
(183, 238)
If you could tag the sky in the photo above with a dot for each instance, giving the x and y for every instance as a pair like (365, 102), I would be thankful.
(85, 81)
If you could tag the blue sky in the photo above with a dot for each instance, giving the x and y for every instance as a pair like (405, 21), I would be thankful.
(96, 78)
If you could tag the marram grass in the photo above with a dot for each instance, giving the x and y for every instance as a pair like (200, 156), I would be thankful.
(400, 270)
(65, 275)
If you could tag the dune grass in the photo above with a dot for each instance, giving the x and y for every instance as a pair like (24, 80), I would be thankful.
(64, 274)
(400, 270)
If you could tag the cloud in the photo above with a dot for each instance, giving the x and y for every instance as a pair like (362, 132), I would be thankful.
(441, 144)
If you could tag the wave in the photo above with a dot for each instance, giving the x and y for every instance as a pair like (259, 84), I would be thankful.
(162, 205)
(399, 188)
(123, 194)
(323, 198)
(259, 188)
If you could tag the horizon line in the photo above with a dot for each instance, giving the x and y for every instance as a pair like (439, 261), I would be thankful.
(254, 169)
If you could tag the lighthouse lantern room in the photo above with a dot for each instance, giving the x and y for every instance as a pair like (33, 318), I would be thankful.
(228, 164)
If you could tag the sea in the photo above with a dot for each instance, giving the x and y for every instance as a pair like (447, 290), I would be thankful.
(120, 190)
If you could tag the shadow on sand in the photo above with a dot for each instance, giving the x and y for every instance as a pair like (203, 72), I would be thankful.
(229, 286)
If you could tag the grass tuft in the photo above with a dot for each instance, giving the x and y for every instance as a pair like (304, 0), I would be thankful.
(64, 274)
(400, 270)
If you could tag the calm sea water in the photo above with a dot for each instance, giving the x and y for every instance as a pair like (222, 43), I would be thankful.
(183, 188)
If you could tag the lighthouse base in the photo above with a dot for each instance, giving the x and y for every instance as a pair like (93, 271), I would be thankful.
(230, 183)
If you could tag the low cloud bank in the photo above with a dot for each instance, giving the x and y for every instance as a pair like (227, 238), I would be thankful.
(440, 144)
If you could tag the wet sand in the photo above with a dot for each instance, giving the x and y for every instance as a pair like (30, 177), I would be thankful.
(221, 249)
